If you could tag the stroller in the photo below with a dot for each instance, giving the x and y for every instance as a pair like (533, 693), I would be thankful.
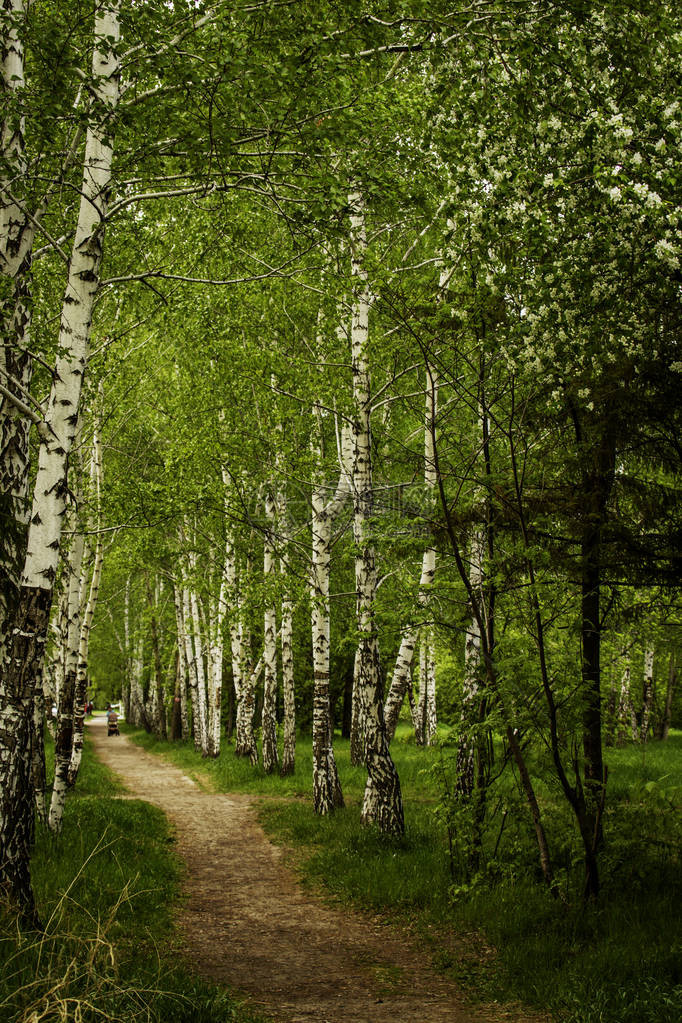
(112, 723)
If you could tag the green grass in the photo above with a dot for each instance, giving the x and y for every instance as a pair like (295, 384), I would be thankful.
(229, 773)
(617, 962)
(106, 889)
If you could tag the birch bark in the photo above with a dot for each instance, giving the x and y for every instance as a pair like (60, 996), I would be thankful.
(269, 719)
(382, 804)
(215, 658)
(466, 746)
(182, 661)
(65, 710)
(17, 683)
(88, 614)
(402, 672)
(623, 711)
(648, 693)
(157, 710)
(16, 243)
(287, 647)
(24, 667)
(126, 694)
(327, 794)
(137, 704)
(201, 721)
(190, 658)
(245, 676)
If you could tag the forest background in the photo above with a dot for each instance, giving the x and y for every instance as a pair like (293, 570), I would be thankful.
(341, 346)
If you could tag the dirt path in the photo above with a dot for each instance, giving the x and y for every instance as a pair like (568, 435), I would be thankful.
(247, 924)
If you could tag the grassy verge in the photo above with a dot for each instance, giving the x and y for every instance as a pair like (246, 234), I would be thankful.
(617, 962)
(105, 890)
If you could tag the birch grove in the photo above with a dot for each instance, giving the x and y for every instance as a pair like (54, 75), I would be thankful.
(464, 492)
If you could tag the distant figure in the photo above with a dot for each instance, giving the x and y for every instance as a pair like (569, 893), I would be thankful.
(112, 722)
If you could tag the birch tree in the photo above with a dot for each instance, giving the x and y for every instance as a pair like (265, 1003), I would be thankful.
(402, 672)
(23, 670)
(382, 803)
(88, 610)
(327, 794)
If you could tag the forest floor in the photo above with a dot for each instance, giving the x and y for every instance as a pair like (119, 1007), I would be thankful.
(245, 921)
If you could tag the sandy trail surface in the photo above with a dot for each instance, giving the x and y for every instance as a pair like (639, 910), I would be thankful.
(246, 922)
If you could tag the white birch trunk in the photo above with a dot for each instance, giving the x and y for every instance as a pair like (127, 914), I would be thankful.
(420, 727)
(59, 627)
(77, 310)
(244, 735)
(287, 649)
(18, 688)
(88, 614)
(65, 709)
(49, 500)
(466, 748)
(245, 746)
(182, 660)
(190, 659)
(648, 693)
(211, 678)
(137, 701)
(216, 633)
(382, 804)
(269, 718)
(16, 242)
(199, 706)
(246, 742)
(431, 727)
(125, 695)
(327, 794)
(402, 672)
(624, 709)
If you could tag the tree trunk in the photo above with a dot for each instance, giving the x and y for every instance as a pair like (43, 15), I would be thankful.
(65, 711)
(49, 502)
(16, 243)
(648, 693)
(357, 737)
(158, 713)
(16, 794)
(382, 804)
(287, 648)
(288, 692)
(137, 704)
(402, 673)
(269, 713)
(327, 793)
(126, 693)
(88, 613)
(190, 656)
(668, 708)
(181, 684)
(623, 715)
(176, 712)
(466, 746)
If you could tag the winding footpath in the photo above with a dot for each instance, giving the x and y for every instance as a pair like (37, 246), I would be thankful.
(247, 924)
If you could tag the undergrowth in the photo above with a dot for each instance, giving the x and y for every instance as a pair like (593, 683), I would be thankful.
(619, 961)
(105, 892)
